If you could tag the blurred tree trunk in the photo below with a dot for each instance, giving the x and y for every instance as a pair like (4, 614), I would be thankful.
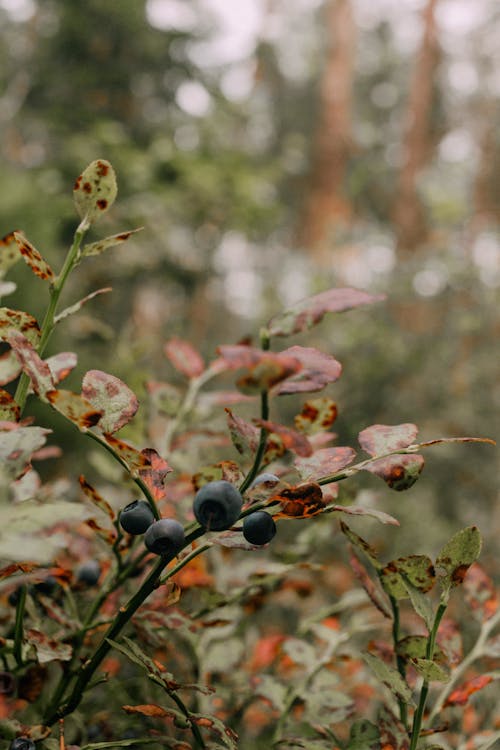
(408, 212)
(486, 203)
(326, 203)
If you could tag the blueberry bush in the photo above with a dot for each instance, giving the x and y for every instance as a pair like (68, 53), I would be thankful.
(175, 601)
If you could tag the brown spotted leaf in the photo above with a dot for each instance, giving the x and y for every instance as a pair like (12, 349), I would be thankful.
(48, 649)
(393, 735)
(78, 305)
(94, 191)
(399, 472)
(324, 462)
(227, 470)
(96, 248)
(310, 311)
(9, 252)
(61, 365)
(9, 409)
(111, 397)
(97, 499)
(318, 370)
(461, 695)
(75, 408)
(390, 677)
(292, 440)
(155, 474)
(19, 567)
(17, 446)
(458, 554)
(262, 369)
(149, 709)
(417, 569)
(317, 414)
(480, 593)
(37, 370)
(382, 438)
(135, 459)
(33, 258)
(20, 321)
(106, 534)
(244, 435)
(184, 357)
(361, 545)
(302, 501)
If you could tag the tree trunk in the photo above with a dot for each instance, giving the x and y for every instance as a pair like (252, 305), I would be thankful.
(326, 202)
(409, 216)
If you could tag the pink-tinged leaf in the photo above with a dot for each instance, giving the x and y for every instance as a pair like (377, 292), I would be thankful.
(382, 438)
(37, 370)
(245, 436)
(317, 415)
(227, 470)
(399, 472)
(480, 593)
(292, 440)
(61, 365)
(154, 475)
(224, 398)
(263, 369)
(20, 321)
(303, 501)
(94, 191)
(49, 451)
(9, 252)
(48, 649)
(461, 695)
(38, 265)
(18, 567)
(96, 248)
(184, 357)
(310, 311)
(10, 367)
(318, 370)
(96, 498)
(9, 409)
(374, 591)
(358, 510)
(17, 447)
(135, 459)
(75, 408)
(111, 397)
(324, 462)
(78, 305)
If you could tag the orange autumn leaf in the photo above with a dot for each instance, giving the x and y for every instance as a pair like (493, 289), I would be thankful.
(265, 652)
(148, 709)
(461, 695)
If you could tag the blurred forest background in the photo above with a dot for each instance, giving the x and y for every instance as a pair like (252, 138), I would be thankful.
(272, 149)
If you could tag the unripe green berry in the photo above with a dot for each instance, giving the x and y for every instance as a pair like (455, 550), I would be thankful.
(136, 517)
(217, 505)
(259, 527)
(164, 537)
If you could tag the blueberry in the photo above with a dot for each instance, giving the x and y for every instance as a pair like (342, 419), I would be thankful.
(48, 586)
(22, 743)
(164, 537)
(217, 505)
(88, 572)
(136, 517)
(264, 478)
(259, 527)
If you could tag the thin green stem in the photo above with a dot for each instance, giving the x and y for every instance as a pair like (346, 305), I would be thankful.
(18, 628)
(48, 323)
(429, 653)
(396, 635)
(194, 726)
(185, 560)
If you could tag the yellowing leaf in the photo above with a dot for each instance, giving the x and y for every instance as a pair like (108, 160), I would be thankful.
(95, 191)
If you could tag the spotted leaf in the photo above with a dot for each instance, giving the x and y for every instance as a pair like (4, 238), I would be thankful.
(75, 408)
(317, 414)
(417, 569)
(38, 265)
(457, 556)
(111, 397)
(94, 191)
(399, 472)
(302, 501)
(324, 462)
(96, 248)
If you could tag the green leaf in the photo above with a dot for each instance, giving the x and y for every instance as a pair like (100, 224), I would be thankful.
(417, 569)
(9, 253)
(94, 191)
(165, 742)
(72, 309)
(458, 555)
(9, 409)
(360, 544)
(420, 603)
(415, 646)
(96, 248)
(429, 670)
(363, 736)
(390, 677)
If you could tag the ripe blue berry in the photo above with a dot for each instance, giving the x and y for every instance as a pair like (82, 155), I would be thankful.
(88, 572)
(217, 505)
(164, 537)
(22, 743)
(259, 527)
(136, 517)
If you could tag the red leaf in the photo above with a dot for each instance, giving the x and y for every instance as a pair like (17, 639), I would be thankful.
(154, 475)
(461, 695)
(382, 438)
(324, 462)
(37, 370)
(318, 369)
(308, 312)
(302, 501)
(112, 397)
(399, 472)
(264, 369)
(292, 440)
(184, 357)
